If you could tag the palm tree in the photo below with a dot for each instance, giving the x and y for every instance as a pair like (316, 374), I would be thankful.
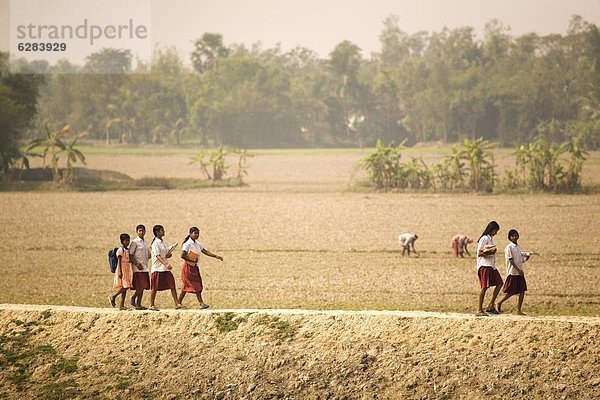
(207, 50)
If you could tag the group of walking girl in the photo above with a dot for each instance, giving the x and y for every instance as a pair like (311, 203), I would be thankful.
(489, 275)
(133, 272)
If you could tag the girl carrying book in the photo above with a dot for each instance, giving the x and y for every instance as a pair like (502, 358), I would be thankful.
(162, 277)
(486, 268)
(190, 272)
(515, 276)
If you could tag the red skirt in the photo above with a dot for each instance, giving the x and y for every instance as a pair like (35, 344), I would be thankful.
(191, 279)
(455, 248)
(141, 281)
(489, 277)
(162, 281)
(515, 284)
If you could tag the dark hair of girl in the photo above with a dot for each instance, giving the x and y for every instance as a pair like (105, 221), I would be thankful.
(192, 230)
(493, 225)
(155, 231)
(123, 237)
(512, 232)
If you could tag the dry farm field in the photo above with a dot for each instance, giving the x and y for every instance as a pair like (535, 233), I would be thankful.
(313, 299)
(296, 236)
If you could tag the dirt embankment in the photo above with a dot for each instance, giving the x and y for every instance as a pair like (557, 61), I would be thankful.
(67, 352)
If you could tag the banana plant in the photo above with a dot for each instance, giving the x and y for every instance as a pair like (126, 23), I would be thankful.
(73, 155)
(479, 156)
(52, 144)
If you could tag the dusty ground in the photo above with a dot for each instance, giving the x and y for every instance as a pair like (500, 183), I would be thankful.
(303, 250)
(295, 238)
(303, 242)
(69, 352)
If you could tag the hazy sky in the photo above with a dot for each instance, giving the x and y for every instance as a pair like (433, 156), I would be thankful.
(321, 24)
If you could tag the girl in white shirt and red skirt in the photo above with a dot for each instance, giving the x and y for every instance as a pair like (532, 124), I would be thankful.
(190, 271)
(162, 278)
(486, 268)
(515, 276)
(139, 253)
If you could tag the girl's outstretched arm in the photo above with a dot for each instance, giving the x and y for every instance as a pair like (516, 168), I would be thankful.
(210, 254)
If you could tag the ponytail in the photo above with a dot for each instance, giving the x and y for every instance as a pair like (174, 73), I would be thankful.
(493, 225)
(155, 230)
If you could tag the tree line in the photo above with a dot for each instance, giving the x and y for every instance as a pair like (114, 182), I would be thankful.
(442, 86)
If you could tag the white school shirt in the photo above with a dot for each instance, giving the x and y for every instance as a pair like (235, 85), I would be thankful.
(514, 251)
(489, 261)
(159, 247)
(190, 244)
(139, 250)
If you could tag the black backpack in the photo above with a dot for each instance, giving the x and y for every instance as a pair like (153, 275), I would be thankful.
(113, 261)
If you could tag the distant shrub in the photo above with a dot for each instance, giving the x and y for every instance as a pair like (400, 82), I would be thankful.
(471, 167)
(541, 165)
(214, 164)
